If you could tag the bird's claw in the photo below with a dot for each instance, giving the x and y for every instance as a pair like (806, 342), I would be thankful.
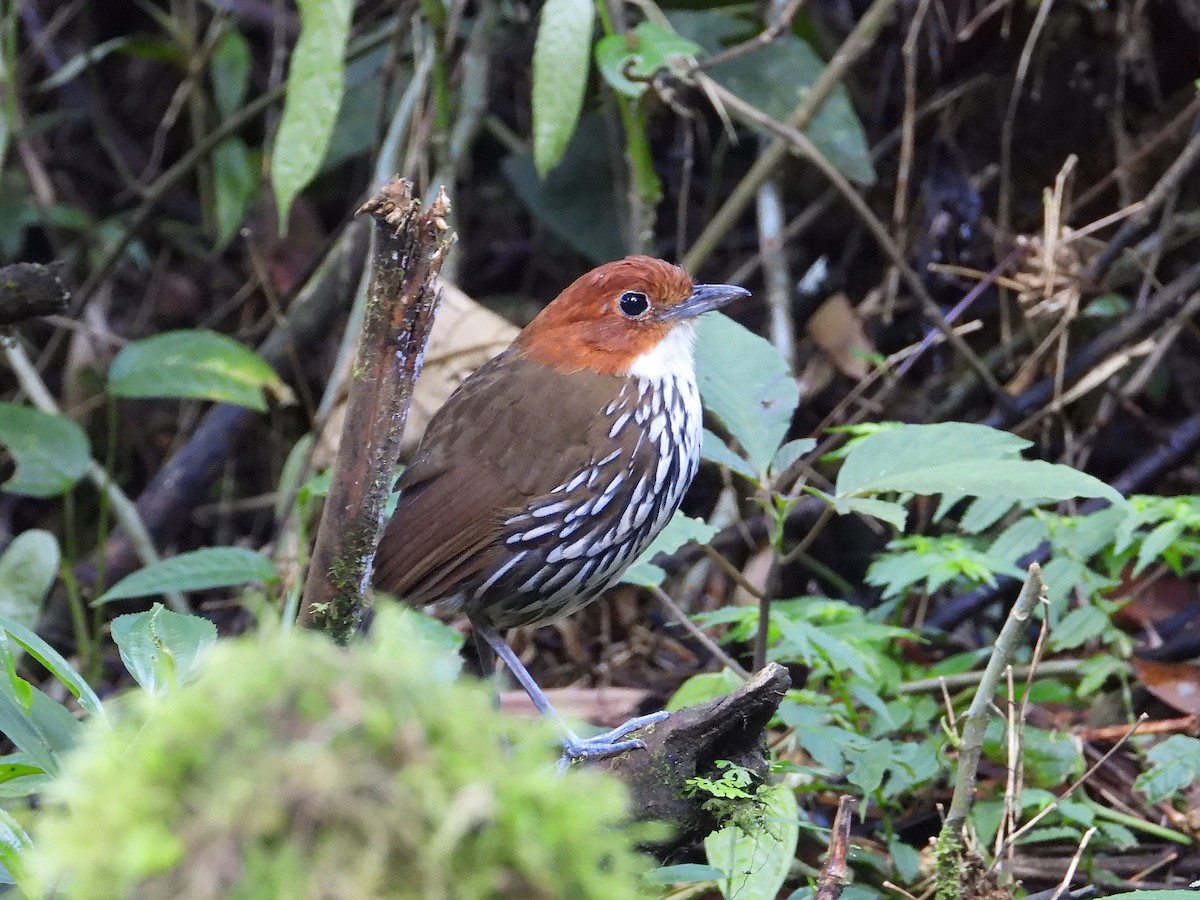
(608, 744)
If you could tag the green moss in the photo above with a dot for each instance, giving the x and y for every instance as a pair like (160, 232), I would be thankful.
(296, 768)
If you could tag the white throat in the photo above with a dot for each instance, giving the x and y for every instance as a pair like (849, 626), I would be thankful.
(671, 357)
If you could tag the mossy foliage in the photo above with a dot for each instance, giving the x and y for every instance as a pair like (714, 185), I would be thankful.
(296, 768)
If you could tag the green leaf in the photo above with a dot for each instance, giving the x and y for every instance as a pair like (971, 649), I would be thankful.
(230, 72)
(199, 570)
(679, 530)
(704, 687)
(51, 452)
(576, 201)
(316, 75)
(715, 450)
(200, 364)
(44, 730)
(235, 183)
(961, 459)
(684, 873)
(888, 511)
(757, 856)
(400, 626)
(561, 59)
(15, 846)
(790, 452)
(746, 384)
(629, 61)
(1156, 543)
(1078, 627)
(161, 648)
(54, 663)
(28, 568)
(774, 78)
(1174, 765)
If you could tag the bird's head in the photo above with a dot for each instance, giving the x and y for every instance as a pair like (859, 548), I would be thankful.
(616, 314)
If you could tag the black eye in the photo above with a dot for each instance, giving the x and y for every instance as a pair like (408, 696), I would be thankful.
(634, 303)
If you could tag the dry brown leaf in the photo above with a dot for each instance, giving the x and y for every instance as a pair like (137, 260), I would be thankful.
(837, 330)
(465, 335)
(1175, 684)
(603, 706)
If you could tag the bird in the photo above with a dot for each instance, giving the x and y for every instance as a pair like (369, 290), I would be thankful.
(550, 469)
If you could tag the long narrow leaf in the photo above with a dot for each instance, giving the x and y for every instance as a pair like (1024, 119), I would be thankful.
(561, 59)
(56, 664)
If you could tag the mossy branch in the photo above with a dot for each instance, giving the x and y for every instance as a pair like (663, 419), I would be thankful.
(410, 246)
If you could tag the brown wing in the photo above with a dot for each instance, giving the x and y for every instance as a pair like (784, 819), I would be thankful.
(484, 457)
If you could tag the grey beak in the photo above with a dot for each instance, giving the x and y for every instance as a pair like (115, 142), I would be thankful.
(704, 298)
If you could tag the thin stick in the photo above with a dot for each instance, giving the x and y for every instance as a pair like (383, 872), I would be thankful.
(698, 633)
(123, 509)
(1049, 808)
(977, 716)
(836, 872)
(801, 142)
(857, 42)
(410, 247)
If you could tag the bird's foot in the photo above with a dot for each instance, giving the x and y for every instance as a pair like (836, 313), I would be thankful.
(608, 744)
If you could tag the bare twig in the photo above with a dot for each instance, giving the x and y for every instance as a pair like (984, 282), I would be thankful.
(802, 143)
(123, 508)
(1164, 188)
(853, 47)
(698, 633)
(410, 247)
(836, 872)
(950, 840)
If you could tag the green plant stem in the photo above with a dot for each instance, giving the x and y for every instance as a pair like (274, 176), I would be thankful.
(857, 42)
(975, 722)
(1136, 824)
(1051, 669)
(123, 509)
(79, 624)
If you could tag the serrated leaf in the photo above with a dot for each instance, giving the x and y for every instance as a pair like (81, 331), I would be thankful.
(55, 664)
(235, 185)
(680, 530)
(161, 648)
(28, 568)
(561, 58)
(746, 384)
(199, 364)
(1156, 542)
(316, 78)
(51, 452)
(757, 856)
(199, 570)
(715, 450)
(1175, 765)
(960, 459)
